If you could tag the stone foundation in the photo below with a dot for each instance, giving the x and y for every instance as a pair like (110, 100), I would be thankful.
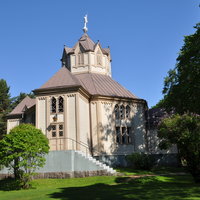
(63, 175)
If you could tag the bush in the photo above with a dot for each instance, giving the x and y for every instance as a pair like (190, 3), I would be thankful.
(140, 161)
(23, 151)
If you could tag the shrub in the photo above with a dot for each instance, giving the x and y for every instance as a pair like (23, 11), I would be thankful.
(140, 161)
(23, 151)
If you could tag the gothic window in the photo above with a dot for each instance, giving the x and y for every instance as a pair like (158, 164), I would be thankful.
(128, 110)
(122, 112)
(60, 104)
(53, 105)
(116, 111)
(123, 135)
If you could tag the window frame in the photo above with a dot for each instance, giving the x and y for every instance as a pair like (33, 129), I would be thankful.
(57, 130)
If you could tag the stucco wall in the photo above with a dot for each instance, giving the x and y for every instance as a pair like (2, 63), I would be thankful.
(84, 123)
(138, 122)
(11, 123)
(71, 120)
(41, 113)
(104, 132)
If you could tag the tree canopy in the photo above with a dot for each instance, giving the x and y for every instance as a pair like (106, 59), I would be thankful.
(7, 104)
(182, 85)
(23, 151)
(183, 131)
(4, 105)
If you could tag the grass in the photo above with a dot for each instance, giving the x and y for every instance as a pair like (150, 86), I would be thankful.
(154, 171)
(108, 187)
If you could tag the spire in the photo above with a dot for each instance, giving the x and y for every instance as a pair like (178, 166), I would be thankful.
(85, 29)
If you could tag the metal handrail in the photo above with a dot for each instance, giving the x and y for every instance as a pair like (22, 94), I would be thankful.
(87, 148)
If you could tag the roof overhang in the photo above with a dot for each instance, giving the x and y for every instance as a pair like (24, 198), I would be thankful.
(117, 98)
(61, 89)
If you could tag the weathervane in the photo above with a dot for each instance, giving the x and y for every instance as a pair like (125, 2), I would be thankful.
(85, 29)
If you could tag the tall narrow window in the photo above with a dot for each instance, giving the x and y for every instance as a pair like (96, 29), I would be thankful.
(61, 130)
(60, 104)
(122, 112)
(116, 111)
(118, 135)
(123, 135)
(53, 130)
(128, 133)
(53, 105)
(128, 110)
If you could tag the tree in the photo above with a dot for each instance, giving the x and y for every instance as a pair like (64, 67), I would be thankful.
(182, 85)
(4, 105)
(184, 131)
(23, 151)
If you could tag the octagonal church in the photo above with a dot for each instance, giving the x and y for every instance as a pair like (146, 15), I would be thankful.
(82, 108)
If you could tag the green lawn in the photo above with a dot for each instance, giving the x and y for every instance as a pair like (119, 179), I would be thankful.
(170, 187)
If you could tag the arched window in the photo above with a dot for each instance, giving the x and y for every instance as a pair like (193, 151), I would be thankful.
(116, 111)
(60, 104)
(122, 112)
(128, 110)
(53, 105)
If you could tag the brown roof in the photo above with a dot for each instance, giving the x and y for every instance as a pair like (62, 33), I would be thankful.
(97, 84)
(87, 44)
(61, 79)
(26, 102)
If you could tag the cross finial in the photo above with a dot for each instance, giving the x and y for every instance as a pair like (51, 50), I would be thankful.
(85, 29)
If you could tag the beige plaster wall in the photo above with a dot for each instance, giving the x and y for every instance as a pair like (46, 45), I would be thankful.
(71, 121)
(11, 123)
(84, 123)
(103, 127)
(94, 126)
(90, 62)
(41, 113)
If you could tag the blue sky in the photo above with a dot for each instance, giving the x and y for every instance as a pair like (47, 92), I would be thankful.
(144, 36)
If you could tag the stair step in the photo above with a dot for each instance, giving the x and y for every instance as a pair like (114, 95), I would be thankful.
(97, 162)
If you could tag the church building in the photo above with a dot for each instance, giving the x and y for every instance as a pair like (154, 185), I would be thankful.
(82, 108)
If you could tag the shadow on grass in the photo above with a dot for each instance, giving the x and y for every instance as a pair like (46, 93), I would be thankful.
(9, 184)
(128, 188)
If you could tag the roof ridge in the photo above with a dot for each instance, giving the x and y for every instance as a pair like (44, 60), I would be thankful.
(63, 77)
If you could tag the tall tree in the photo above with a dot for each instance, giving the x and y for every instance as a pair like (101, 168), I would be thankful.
(182, 85)
(4, 105)
(183, 131)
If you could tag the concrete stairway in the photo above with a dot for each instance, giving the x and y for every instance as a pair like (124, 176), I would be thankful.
(92, 161)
